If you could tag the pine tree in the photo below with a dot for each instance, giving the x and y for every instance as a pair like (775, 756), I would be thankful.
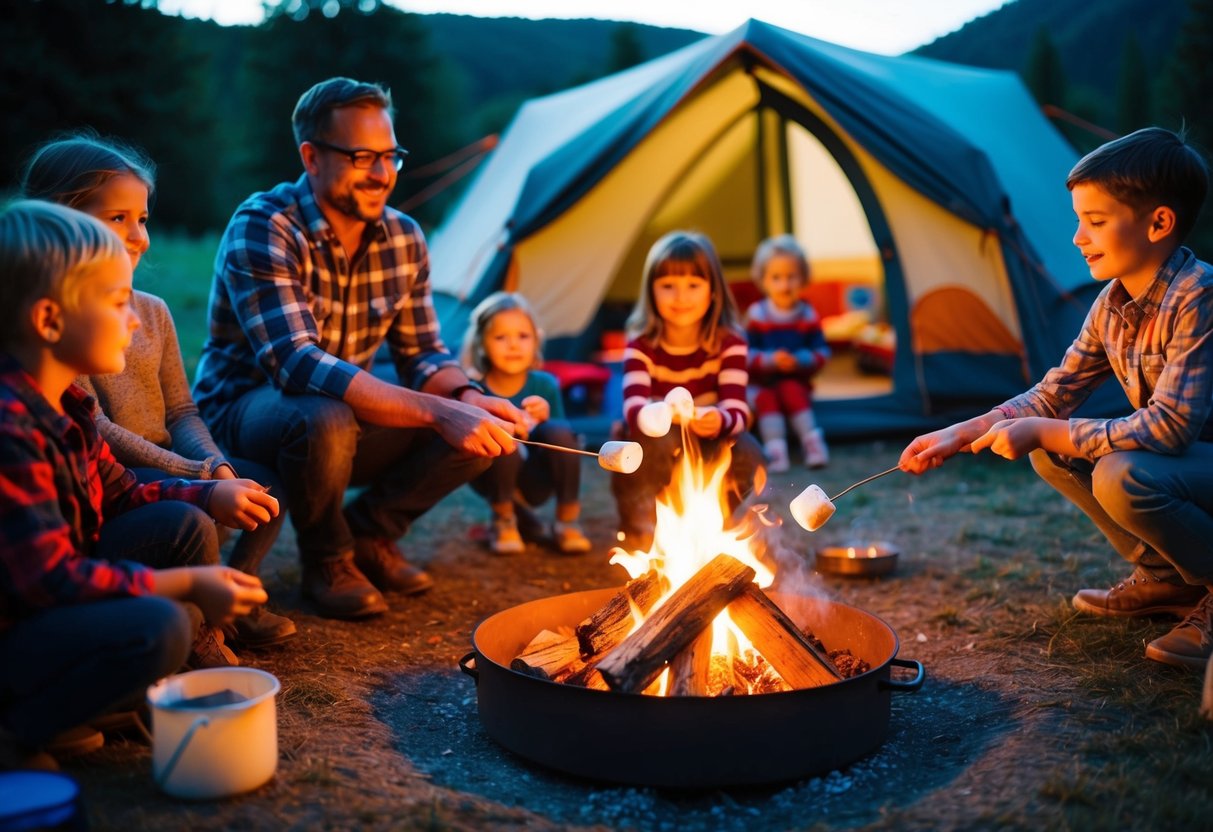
(1043, 73)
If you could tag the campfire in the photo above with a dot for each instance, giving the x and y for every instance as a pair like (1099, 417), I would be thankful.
(694, 619)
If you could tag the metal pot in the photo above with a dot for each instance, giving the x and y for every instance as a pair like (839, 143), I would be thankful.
(685, 741)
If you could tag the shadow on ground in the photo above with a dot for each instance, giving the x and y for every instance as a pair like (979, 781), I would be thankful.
(934, 735)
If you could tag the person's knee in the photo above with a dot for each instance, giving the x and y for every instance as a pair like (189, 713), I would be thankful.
(169, 632)
(197, 537)
(326, 425)
(1122, 485)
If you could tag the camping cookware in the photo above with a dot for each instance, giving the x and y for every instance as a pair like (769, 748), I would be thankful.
(686, 741)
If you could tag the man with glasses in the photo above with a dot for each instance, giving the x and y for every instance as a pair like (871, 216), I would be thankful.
(311, 278)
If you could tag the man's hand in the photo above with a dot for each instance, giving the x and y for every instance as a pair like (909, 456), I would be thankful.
(503, 409)
(224, 472)
(707, 422)
(474, 429)
(242, 504)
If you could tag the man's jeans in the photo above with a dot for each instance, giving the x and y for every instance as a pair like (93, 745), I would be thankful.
(319, 449)
(1155, 510)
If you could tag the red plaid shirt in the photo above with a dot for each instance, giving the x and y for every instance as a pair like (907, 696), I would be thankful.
(58, 481)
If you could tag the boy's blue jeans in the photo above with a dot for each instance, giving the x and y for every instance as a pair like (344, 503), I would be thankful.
(319, 449)
(1155, 510)
(65, 665)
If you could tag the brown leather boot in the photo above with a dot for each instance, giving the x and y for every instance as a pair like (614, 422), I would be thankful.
(384, 564)
(1139, 595)
(261, 628)
(209, 650)
(340, 590)
(1189, 644)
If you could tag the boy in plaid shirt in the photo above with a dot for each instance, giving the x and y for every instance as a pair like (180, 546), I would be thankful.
(85, 624)
(1146, 479)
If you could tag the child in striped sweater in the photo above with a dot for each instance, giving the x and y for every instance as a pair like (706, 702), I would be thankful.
(684, 332)
(787, 348)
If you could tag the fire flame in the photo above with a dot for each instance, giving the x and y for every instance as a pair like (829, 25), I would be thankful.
(692, 515)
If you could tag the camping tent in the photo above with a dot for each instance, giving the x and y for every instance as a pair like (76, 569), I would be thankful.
(929, 196)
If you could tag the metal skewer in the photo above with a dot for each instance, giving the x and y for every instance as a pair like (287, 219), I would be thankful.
(861, 482)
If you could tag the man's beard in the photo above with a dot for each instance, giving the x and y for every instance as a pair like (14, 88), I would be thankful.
(347, 204)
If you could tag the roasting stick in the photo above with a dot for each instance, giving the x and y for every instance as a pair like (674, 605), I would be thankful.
(812, 508)
(861, 482)
(564, 448)
(624, 457)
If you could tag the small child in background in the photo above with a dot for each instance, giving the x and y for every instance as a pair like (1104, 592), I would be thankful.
(146, 413)
(504, 348)
(81, 630)
(683, 332)
(787, 348)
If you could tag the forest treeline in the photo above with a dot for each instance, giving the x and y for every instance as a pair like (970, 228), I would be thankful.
(211, 104)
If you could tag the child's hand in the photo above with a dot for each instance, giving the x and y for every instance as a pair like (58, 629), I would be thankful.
(242, 504)
(223, 593)
(707, 422)
(224, 472)
(537, 408)
(1011, 438)
(785, 362)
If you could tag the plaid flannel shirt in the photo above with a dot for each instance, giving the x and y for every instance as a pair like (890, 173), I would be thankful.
(58, 483)
(289, 307)
(1160, 348)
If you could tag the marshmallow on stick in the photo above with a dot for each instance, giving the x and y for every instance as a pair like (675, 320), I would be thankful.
(624, 457)
(683, 405)
(812, 508)
(655, 418)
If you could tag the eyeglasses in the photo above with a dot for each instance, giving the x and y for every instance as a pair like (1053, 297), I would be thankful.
(366, 159)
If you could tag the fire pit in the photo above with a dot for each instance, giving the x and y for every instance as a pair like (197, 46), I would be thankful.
(685, 741)
(691, 675)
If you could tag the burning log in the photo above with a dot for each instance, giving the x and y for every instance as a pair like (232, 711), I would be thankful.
(638, 660)
(549, 656)
(780, 641)
(611, 624)
(691, 670)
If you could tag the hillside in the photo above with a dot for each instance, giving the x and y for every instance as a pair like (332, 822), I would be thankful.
(509, 56)
(1090, 37)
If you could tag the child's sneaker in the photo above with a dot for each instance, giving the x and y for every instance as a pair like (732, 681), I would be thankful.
(776, 451)
(209, 650)
(569, 537)
(504, 538)
(816, 454)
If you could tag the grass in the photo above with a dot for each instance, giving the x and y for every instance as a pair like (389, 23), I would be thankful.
(179, 269)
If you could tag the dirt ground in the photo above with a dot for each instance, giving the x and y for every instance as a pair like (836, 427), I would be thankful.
(1030, 717)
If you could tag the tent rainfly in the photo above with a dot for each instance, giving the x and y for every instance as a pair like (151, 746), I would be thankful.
(930, 196)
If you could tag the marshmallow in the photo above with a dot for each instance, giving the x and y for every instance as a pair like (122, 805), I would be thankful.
(624, 457)
(812, 508)
(680, 400)
(655, 419)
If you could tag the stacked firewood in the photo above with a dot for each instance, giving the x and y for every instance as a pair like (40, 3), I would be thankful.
(603, 652)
